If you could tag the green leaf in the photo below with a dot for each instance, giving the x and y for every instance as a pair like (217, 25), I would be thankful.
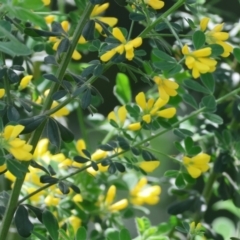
(16, 168)
(63, 46)
(39, 236)
(81, 234)
(88, 30)
(198, 39)
(6, 25)
(63, 187)
(162, 55)
(164, 66)
(122, 90)
(236, 53)
(66, 134)
(51, 224)
(48, 179)
(209, 102)
(216, 50)
(124, 234)
(13, 49)
(208, 81)
(194, 150)
(37, 211)
(179, 147)
(136, 17)
(33, 5)
(180, 183)
(23, 224)
(52, 133)
(171, 173)
(188, 142)
(213, 118)
(195, 86)
(86, 98)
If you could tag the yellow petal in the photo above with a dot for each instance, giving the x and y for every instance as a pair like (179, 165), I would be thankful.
(111, 193)
(120, 205)
(3, 168)
(136, 42)
(116, 32)
(122, 114)
(141, 100)
(76, 55)
(25, 81)
(170, 84)
(204, 23)
(218, 27)
(222, 36)
(112, 116)
(46, 2)
(111, 21)
(185, 50)
(108, 55)
(155, 4)
(98, 9)
(204, 52)
(129, 54)
(149, 166)
(147, 118)
(167, 113)
(134, 126)
(81, 40)
(2, 92)
(98, 155)
(80, 145)
(11, 132)
(49, 19)
(194, 172)
(65, 25)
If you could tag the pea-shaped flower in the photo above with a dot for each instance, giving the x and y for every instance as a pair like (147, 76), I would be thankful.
(125, 46)
(216, 36)
(199, 61)
(197, 165)
(16, 146)
(152, 108)
(145, 194)
(155, 4)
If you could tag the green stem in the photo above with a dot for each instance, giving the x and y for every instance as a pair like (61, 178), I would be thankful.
(82, 124)
(206, 192)
(161, 153)
(172, 9)
(12, 204)
(173, 32)
(6, 83)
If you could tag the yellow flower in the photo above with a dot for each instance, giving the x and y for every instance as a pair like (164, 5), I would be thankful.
(46, 2)
(61, 112)
(149, 166)
(65, 25)
(143, 194)
(166, 87)
(16, 146)
(216, 36)
(118, 117)
(2, 92)
(3, 168)
(25, 81)
(151, 108)
(125, 46)
(199, 61)
(51, 200)
(155, 4)
(77, 198)
(99, 9)
(120, 205)
(75, 222)
(197, 165)
(49, 19)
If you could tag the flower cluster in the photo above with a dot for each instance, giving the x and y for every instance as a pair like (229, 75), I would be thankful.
(197, 165)
(199, 61)
(216, 36)
(124, 46)
(144, 194)
(14, 145)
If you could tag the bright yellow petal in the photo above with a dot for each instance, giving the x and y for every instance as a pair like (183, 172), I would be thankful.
(204, 52)
(120, 205)
(194, 172)
(2, 92)
(185, 50)
(203, 23)
(111, 21)
(134, 126)
(155, 4)
(116, 32)
(122, 114)
(76, 55)
(141, 100)
(167, 113)
(98, 9)
(147, 118)
(108, 55)
(149, 166)
(25, 81)
(65, 25)
(111, 193)
(11, 132)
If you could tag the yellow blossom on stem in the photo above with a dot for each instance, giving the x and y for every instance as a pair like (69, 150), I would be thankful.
(199, 61)
(155, 4)
(125, 46)
(119, 117)
(120, 205)
(99, 9)
(166, 87)
(51, 200)
(65, 25)
(197, 165)
(144, 194)
(216, 36)
(16, 146)
(46, 2)
(61, 112)
(149, 166)
(49, 19)
(75, 222)
(25, 81)
(151, 108)
(2, 92)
